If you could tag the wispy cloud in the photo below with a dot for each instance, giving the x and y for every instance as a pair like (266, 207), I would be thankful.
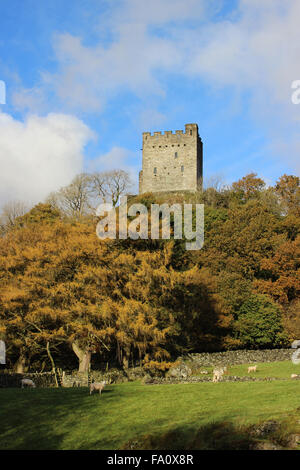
(88, 76)
(253, 49)
(117, 158)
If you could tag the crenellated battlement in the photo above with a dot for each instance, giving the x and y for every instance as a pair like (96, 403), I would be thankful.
(191, 130)
(172, 160)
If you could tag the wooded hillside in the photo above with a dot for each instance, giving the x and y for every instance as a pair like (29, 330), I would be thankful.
(66, 296)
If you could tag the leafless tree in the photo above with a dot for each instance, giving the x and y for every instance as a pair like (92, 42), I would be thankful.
(83, 195)
(74, 199)
(10, 212)
(110, 185)
(215, 181)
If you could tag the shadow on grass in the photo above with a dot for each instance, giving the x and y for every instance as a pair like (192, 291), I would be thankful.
(49, 419)
(215, 436)
(40, 419)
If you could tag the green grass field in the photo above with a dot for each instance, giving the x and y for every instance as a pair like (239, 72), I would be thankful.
(132, 415)
(282, 370)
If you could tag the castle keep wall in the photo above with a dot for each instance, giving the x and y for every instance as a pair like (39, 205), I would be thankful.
(172, 162)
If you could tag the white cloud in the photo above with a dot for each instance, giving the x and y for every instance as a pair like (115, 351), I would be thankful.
(118, 158)
(255, 48)
(159, 12)
(33, 99)
(88, 76)
(258, 52)
(39, 155)
(260, 49)
(148, 118)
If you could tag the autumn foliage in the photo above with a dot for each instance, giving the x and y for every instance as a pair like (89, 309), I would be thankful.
(65, 295)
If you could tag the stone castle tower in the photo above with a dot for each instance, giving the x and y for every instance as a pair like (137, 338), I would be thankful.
(172, 162)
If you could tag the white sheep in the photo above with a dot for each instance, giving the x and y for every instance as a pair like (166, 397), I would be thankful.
(217, 374)
(97, 386)
(294, 376)
(28, 383)
(252, 369)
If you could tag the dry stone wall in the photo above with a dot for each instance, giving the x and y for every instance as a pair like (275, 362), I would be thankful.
(180, 373)
(41, 380)
(241, 357)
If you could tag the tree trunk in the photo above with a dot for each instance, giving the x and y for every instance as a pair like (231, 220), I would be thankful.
(126, 357)
(84, 357)
(52, 363)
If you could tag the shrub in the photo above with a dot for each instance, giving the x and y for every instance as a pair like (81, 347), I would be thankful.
(259, 324)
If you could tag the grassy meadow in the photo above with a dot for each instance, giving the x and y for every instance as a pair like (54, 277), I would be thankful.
(137, 416)
(282, 369)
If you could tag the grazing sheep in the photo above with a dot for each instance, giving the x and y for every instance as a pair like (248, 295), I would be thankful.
(97, 386)
(252, 369)
(28, 383)
(294, 376)
(217, 374)
(203, 372)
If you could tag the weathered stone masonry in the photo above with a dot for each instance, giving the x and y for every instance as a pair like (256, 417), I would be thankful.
(172, 162)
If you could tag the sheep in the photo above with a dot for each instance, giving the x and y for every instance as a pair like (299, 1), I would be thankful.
(217, 374)
(28, 383)
(97, 386)
(252, 369)
(294, 376)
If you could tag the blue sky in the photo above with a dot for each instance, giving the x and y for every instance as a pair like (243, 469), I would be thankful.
(85, 78)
